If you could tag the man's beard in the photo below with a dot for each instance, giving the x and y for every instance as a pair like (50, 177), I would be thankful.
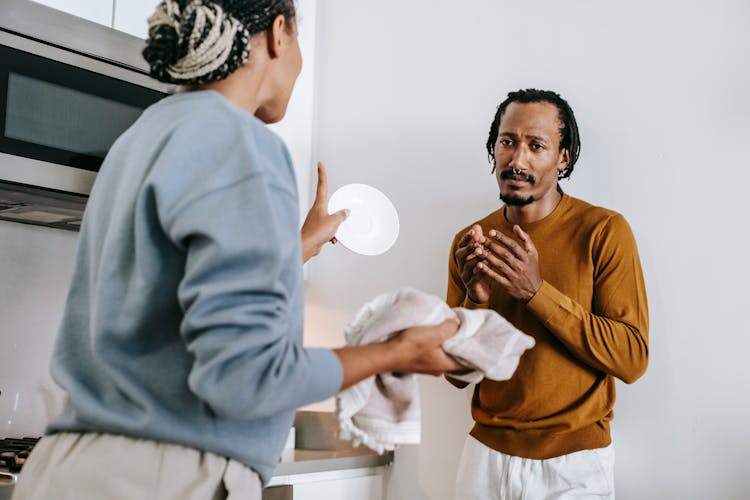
(510, 199)
(516, 201)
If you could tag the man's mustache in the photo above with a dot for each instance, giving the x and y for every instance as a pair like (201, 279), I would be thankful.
(513, 174)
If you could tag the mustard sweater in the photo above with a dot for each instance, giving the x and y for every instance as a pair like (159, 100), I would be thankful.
(590, 322)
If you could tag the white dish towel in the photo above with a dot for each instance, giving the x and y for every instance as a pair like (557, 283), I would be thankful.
(383, 411)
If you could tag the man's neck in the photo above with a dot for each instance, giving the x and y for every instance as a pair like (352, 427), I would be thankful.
(534, 211)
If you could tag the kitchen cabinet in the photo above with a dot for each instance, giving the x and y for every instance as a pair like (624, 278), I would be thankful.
(323, 466)
(342, 484)
(99, 11)
(131, 16)
(361, 488)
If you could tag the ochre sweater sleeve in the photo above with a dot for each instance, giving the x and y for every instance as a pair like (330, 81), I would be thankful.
(456, 293)
(613, 336)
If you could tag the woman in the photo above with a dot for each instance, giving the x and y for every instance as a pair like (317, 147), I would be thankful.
(181, 344)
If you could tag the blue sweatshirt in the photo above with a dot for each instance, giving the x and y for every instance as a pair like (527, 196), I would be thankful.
(184, 318)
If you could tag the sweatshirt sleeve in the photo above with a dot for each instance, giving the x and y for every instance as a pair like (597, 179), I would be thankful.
(613, 337)
(241, 244)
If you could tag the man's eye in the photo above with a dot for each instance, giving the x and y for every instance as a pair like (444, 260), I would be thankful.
(537, 147)
(506, 142)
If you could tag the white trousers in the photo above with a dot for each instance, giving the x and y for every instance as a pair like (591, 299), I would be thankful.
(486, 474)
(74, 466)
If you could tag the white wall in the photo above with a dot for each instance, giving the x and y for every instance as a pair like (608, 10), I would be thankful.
(36, 266)
(296, 126)
(406, 93)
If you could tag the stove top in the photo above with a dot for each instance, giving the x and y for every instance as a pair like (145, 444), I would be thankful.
(13, 454)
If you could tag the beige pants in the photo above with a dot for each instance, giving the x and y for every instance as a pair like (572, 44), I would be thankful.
(108, 467)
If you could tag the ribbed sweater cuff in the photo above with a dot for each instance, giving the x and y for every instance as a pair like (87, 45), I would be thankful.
(547, 302)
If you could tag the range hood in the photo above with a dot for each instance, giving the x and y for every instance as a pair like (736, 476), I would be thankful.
(41, 206)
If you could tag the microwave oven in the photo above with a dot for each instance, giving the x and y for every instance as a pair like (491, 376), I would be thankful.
(68, 88)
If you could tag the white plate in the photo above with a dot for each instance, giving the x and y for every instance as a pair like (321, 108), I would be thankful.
(372, 225)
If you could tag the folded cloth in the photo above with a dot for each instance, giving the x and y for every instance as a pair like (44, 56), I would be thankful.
(383, 411)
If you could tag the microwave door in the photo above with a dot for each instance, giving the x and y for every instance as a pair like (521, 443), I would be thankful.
(59, 118)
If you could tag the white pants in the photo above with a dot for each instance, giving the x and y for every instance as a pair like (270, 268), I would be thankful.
(485, 474)
(74, 466)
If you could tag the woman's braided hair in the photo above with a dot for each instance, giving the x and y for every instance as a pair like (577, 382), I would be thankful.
(192, 42)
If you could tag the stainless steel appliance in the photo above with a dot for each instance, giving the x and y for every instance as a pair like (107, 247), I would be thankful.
(68, 89)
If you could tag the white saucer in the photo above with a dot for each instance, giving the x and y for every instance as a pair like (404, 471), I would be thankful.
(372, 225)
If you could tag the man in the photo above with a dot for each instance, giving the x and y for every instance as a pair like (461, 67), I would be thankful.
(567, 273)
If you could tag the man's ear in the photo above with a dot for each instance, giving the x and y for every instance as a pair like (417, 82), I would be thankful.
(274, 38)
(563, 160)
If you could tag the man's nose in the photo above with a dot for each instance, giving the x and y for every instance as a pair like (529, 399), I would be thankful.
(518, 160)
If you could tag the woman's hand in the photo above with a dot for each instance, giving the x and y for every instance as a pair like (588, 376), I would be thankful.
(320, 226)
(414, 350)
(421, 348)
